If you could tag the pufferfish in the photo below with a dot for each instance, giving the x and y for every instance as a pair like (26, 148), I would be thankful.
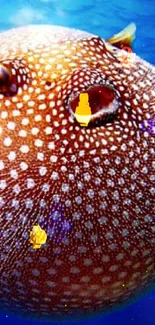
(100, 176)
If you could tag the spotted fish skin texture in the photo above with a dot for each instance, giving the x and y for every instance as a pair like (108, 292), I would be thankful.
(102, 176)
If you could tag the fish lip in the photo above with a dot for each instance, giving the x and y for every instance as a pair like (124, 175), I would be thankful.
(19, 76)
(104, 112)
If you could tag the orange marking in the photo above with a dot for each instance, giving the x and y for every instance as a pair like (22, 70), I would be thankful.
(127, 48)
(124, 58)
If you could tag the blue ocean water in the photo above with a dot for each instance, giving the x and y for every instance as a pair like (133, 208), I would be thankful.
(105, 18)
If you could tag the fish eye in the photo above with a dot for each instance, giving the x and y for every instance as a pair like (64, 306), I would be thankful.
(101, 99)
(5, 78)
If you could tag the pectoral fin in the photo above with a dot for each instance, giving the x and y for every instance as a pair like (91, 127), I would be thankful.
(123, 38)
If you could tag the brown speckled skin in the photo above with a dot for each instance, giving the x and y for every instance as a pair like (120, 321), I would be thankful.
(102, 176)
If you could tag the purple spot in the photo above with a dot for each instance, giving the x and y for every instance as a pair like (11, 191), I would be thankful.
(66, 226)
(50, 232)
(56, 226)
(55, 215)
(148, 126)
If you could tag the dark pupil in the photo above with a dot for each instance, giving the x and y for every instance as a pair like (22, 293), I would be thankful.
(99, 97)
(4, 77)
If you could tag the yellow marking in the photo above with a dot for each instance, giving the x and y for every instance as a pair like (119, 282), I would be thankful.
(38, 236)
(83, 110)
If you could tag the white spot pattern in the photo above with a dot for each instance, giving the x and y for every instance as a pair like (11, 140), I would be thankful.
(102, 176)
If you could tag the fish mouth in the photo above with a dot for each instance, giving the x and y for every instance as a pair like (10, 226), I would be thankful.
(103, 103)
(13, 76)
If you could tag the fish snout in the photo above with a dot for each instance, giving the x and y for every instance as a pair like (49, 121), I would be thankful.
(13, 76)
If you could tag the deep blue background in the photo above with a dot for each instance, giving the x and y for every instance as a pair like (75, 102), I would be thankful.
(102, 17)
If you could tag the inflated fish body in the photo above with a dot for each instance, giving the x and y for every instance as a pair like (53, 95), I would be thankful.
(91, 189)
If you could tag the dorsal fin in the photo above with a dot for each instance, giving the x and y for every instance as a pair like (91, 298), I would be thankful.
(123, 38)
